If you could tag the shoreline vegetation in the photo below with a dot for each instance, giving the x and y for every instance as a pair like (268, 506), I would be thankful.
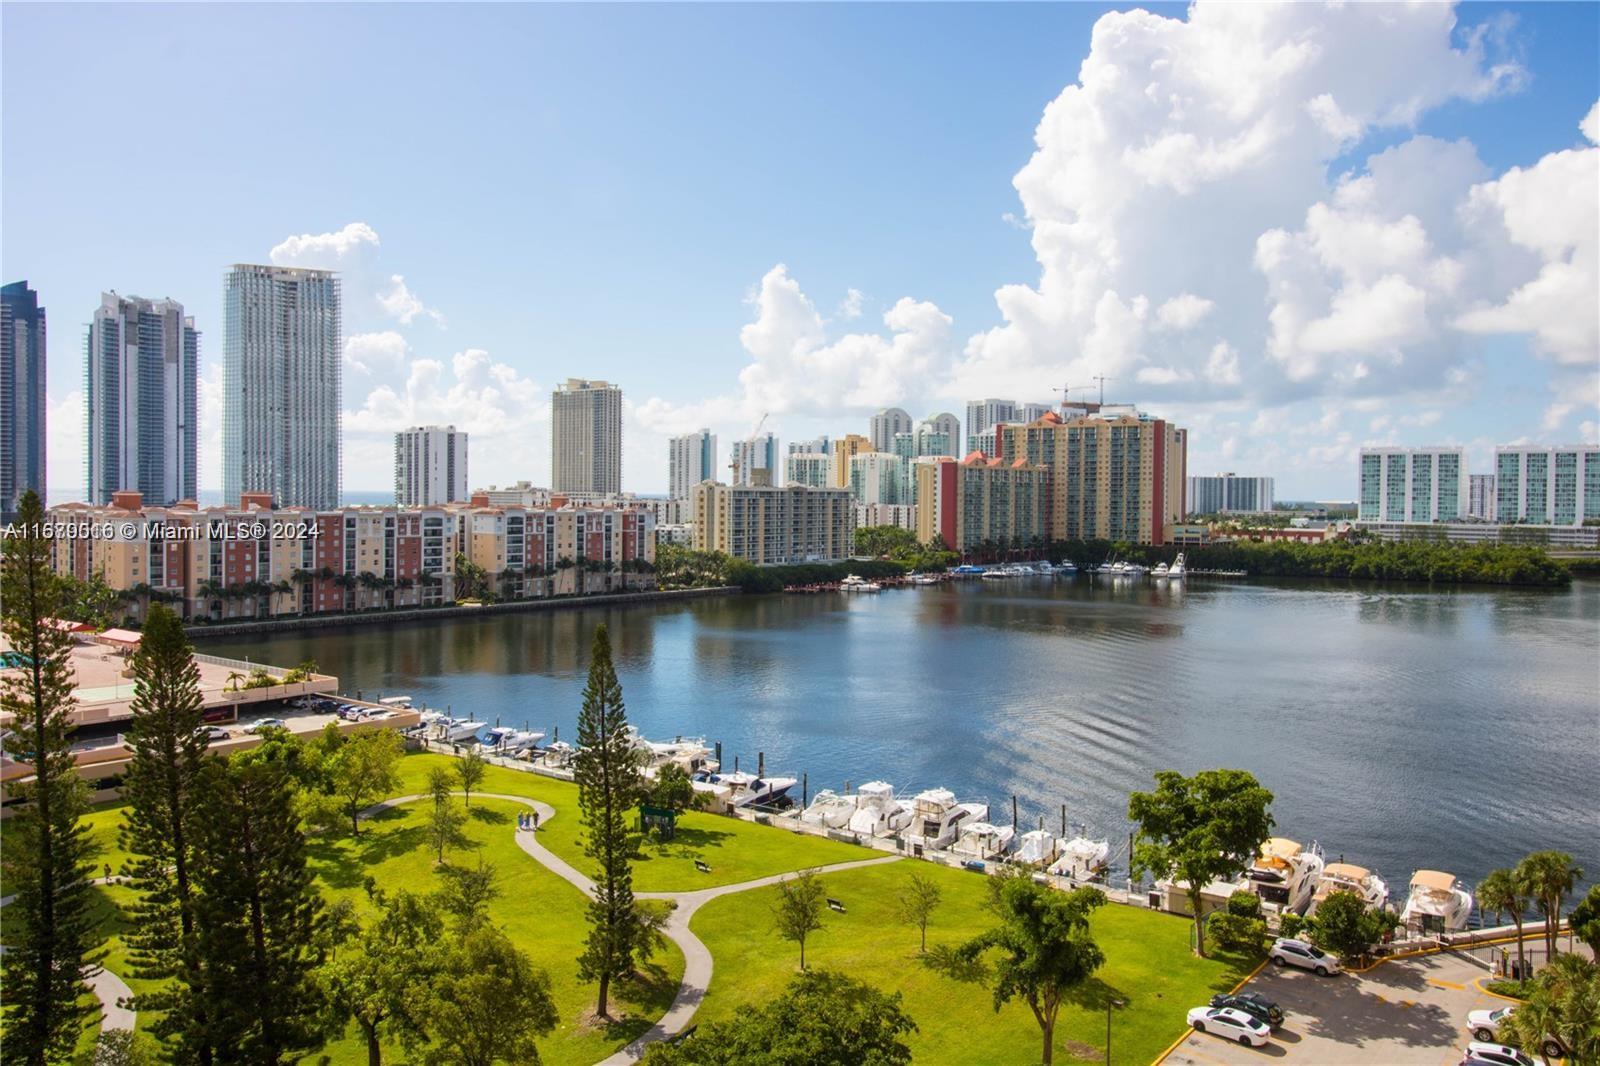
(1429, 562)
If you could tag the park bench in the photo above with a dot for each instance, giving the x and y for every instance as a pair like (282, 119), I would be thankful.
(702, 867)
(835, 905)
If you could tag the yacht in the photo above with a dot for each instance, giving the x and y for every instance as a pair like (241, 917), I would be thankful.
(1082, 859)
(878, 813)
(968, 570)
(1110, 566)
(980, 840)
(924, 579)
(1066, 566)
(1285, 874)
(505, 740)
(1176, 571)
(1437, 903)
(852, 583)
(748, 790)
(559, 753)
(998, 573)
(829, 810)
(1160, 572)
(1347, 877)
(690, 754)
(937, 819)
(1038, 847)
(456, 730)
(1134, 570)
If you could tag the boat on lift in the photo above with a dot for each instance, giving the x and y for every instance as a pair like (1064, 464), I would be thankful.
(1083, 860)
(1038, 847)
(1176, 571)
(829, 810)
(878, 813)
(937, 819)
(1285, 874)
(1348, 877)
(980, 840)
(1437, 904)
(1160, 572)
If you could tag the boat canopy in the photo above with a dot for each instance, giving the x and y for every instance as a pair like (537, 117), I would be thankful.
(1280, 848)
(1436, 880)
(1347, 871)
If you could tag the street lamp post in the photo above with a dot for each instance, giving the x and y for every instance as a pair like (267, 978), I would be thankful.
(1109, 1004)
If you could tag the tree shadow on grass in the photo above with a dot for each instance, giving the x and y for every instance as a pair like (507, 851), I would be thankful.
(955, 964)
(687, 843)
(343, 865)
(487, 816)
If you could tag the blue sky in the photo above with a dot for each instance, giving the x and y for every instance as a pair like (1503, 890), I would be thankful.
(606, 191)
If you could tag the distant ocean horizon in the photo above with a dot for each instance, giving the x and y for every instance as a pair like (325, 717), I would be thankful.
(213, 497)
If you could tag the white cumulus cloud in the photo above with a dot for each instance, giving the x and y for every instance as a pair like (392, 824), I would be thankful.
(326, 251)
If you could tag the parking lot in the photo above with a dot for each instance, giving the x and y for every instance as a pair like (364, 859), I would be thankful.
(1408, 1012)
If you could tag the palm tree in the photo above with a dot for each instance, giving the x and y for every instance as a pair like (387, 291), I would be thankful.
(234, 677)
(1503, 892)
(1558, 1018)
(608, 567)
(347, 582)
(1549, 877)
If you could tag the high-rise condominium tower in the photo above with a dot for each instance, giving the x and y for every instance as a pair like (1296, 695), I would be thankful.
(586, 437)
(22, 398)
(281, 385)
(884, 425)
(756, 454)
(141, 377)
(430, 466)
(692, 458)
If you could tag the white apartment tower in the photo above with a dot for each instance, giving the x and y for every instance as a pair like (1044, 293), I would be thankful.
(691, 459)
(430, 466)
(141, 376)
(586, 437)
(1545, 486)
(885, 424)
(811, 469)
(1229, 494)
(950, 426)
(753, 455)
(281, 385)
(1413, 485)
(1480, 497)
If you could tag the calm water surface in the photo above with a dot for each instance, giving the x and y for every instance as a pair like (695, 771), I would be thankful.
(1398, 727)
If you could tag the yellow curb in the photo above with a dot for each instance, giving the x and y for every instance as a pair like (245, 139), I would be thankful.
(1447, 984)
(1188, 1031)
(1478, 984)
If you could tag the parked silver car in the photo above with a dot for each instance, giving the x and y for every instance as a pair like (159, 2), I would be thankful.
(1286, 952)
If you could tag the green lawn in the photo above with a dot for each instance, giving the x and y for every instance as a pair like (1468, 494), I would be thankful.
(735, 850)
(1149, 967)
(542, 914)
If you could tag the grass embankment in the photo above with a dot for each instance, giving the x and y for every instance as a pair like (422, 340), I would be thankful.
(1148, 966)
(735, 850)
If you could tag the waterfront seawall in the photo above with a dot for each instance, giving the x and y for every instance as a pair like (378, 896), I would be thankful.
(247, 626)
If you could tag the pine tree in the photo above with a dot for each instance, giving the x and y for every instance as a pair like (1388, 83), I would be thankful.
(609, 786)
(168, 746)
(255, 915)
(51, 937)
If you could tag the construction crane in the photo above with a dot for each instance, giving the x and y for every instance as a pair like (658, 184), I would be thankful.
(1067, 390)
(1102, 379)
(733, 465)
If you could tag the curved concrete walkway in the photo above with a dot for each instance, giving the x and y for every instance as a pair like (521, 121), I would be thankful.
(696, 956)
(107, 987)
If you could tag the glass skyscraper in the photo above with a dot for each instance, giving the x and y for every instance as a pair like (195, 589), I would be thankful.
(141, 373)
(281, 385)
(22, 396)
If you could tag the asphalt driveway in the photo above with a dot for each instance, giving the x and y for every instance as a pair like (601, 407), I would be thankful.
(1406, 1013)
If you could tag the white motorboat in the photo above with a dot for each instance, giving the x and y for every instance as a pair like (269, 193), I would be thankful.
(878, 813)
(396, 703)
(456, 730)
(1348, 877)
(1110, 566)
(852, 583)
(559, 753)
(1066, 566)
(980, 840)
(690, 754)
(1437, 903)
(1082, 859)
(1021, 570)
(924, 579)
(504, 740)
(998, 573)
(1134, 570)
(1285, 874)
(829, 810)
(1038, 847)
(748, 790)
(937, 819)
(1160, 572)
(1176, 571)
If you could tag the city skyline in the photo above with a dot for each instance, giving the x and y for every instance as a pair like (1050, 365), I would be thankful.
(1349, 308)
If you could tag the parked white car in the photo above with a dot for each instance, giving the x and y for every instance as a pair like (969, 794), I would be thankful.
(1481, 1053)
(1287, 952)
(1484, 1025)
(1230, 1023)
(266, 723)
